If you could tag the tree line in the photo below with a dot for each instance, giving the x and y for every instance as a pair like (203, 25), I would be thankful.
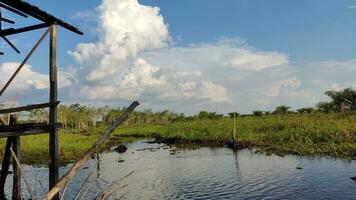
(347, 95)
(83, 117)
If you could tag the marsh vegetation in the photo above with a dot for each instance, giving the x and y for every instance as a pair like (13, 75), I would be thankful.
(306, 131)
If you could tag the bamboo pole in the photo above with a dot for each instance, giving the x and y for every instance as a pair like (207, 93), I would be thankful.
(77, 165)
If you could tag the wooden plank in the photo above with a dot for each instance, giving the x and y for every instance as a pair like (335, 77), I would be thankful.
(53, 137)
(24, 62)
(6, 162)
(28, 107)
(28, 127)
(16, 187)
(26, 133)
(12, 31)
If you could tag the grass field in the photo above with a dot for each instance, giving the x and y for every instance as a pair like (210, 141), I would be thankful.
(301, 134)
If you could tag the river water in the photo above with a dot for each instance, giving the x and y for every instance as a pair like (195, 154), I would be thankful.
(162, 172)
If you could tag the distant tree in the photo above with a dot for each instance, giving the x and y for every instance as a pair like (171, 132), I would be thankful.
(39, 115)
(231, 115)
(337, 97)
(267, 112)
(208, 115)
(326, 107)
(257, 113)
(202, 115)
(305, 110)
(281, 109)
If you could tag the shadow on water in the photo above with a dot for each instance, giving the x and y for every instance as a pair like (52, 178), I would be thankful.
(168, 172)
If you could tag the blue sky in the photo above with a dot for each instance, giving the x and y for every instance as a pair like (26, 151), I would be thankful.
(211, 55)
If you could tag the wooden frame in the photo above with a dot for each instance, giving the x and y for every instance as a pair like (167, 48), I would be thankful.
(14, 131)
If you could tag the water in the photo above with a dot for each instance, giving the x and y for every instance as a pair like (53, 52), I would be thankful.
(205, 173)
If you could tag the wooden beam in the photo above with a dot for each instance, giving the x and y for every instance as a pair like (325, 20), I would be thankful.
(28, 107)
(12, 10)
(7, 20)
(11, 45)
(28, 127)
(25, 133)
(12, 31)
(24, 62)
(39, 14)
(53, 137)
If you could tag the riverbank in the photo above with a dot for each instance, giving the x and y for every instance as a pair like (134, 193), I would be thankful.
(300, 134)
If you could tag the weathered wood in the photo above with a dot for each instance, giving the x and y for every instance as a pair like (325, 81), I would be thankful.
(11, 45)
(24, 62)
(12, 31)
(234, 130)
(53, 137)
(30, 132)
(5, 165)
(6, 161)
(12, 10)
(28, 107)
(2, 122)
(26, 129)
(39, 14)
(87, 155)
(28, 126)
(7, 20)
(16, 187)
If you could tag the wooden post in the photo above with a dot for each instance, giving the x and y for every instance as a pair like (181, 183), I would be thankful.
(16, 188)
(234, 131)
(6, 161)
(53, 137)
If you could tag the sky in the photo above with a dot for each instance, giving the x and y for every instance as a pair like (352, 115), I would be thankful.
(187, 56)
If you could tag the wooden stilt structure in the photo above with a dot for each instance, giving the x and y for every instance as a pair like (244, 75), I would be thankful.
(13, 131)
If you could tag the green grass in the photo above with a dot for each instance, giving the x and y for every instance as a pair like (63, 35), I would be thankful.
(301, 134)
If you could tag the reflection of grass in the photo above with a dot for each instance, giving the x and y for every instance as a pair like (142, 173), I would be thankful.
(307, 134)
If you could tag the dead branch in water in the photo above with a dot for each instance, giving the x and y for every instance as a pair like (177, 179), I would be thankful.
(64, 192)
(83, 184)
(77, 165)
(113, 187)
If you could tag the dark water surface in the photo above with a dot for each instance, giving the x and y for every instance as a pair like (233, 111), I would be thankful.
(205, 173)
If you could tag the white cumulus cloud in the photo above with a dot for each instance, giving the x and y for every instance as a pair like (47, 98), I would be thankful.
(288, 84)
(214, 92)
(126, 28)
(247, 60)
